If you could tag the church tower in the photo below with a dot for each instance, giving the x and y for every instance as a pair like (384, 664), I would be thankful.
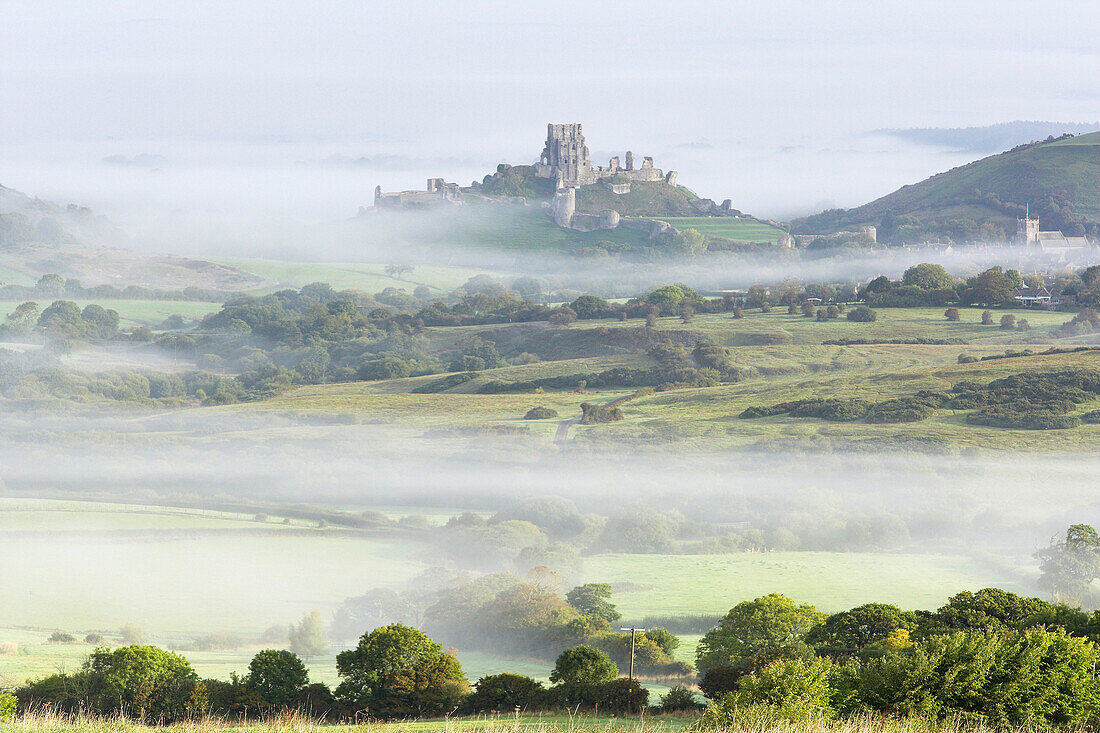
(1027, 229)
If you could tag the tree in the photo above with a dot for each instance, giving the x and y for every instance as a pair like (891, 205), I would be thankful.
(307, 637)
(22, 319)
(928, 276)
(593, 599)
(951, 314)
(278, 676)
(861, 314)
(1030, 678)
(860, 627)
(589, 306)
(563, 316)
(50, 285)
(583, 665)
(398, 670)
(989, 609)
(796, 690)
(768, 627)
(131, 634)
(504, 693)
(993, 287)
(143, 682)
(1068, 567)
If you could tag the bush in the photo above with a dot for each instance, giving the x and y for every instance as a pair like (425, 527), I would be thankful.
(278, 677)
(60, 637)
(861, 314)
(678, 699)
(540, 413)
(1031, 678)
(1008, 322)
(793, 690)
(967, 359)
(8, 704)
(583, 665)
(987, 318)
(951, 314)
(592, 414)
(504, 693)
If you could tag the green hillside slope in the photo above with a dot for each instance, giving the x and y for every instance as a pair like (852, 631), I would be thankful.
(1058, 179)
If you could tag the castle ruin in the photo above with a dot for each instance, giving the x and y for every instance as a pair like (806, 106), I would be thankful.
(565, 158)
(438, 191)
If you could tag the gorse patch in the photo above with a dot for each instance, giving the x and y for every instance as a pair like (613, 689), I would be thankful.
(1029, 400)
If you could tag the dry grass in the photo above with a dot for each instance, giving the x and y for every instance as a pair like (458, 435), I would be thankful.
(45, 722)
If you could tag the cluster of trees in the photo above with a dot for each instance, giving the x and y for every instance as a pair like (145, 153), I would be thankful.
(62, 319)
(502, 613)
(54, 286)
(990, 656)
(393, 672)
(929, 284)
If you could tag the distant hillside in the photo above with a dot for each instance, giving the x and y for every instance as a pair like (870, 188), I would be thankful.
(1058, 178)
(39, 237)
(991, 138)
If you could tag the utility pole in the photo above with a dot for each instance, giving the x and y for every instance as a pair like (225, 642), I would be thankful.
(633, 631)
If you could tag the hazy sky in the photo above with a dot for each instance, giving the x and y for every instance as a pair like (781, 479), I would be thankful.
(254, 108)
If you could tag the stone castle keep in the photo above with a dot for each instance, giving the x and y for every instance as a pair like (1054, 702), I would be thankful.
(565, 157)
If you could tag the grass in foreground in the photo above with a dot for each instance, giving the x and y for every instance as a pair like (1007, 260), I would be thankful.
(46, 723)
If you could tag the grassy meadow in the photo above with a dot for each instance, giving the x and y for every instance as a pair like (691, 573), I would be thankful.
(781, 357)
(739, 229)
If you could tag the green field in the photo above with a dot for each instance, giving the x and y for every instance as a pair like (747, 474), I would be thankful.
(833, 581)
(737, 228)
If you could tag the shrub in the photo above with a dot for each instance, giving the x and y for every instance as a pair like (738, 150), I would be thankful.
(278, 676)
(583, 665)
(861, 314)
(678, 699)
(60, 637)
(1008, 322)
(592, 414)
(832, 312)
(540, 413)
(967, 359)
(793, 690)
(987, 318)
(504, 693)
(8, 704)
(951, 314)
(1023, 325)
(1032, 678)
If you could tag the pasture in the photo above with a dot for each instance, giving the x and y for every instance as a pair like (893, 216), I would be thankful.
(833, 581)
(737, 228)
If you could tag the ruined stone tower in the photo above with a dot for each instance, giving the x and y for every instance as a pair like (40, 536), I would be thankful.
(566, 155)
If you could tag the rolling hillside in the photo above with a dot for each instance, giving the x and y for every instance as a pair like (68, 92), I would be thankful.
(1058, 179)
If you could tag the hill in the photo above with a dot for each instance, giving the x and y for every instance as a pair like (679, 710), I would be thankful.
(1059, 179)
(39, 237)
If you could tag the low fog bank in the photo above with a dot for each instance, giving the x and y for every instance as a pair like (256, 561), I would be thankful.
(264, 197)
(264, 458)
